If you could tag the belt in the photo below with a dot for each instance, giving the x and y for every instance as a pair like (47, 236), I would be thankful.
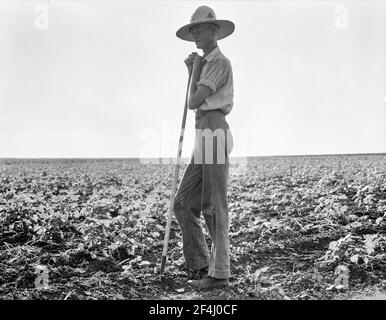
(200, 113)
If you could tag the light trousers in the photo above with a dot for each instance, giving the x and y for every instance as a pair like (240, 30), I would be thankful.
(203, 189)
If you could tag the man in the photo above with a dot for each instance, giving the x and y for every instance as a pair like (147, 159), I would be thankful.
(204, 183)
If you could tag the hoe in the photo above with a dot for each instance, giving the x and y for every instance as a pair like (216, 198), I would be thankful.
(177, 168)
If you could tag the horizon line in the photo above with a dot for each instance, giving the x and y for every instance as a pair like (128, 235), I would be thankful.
(250, 156)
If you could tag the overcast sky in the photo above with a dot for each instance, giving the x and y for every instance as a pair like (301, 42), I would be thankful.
(107, 78)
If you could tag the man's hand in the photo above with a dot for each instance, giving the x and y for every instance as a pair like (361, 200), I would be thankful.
(193, 61)
(197, 61)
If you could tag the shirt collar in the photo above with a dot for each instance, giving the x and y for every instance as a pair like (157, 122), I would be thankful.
(212, 54)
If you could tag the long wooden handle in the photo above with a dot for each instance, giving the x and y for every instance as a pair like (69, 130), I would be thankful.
(176, 170)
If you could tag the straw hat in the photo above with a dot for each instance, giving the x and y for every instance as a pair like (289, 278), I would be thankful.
(204, 14)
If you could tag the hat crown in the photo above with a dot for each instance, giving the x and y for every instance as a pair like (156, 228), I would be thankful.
(203, 14)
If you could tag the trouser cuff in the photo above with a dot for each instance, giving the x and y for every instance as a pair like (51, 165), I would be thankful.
(220, 274)
(196, 265)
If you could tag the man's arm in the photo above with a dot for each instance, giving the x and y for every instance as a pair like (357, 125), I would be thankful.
(214, 78)
(198, 97)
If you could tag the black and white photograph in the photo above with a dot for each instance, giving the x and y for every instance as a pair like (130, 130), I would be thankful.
(201, 151)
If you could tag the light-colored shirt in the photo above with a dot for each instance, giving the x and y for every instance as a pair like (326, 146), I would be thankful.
(217, 74)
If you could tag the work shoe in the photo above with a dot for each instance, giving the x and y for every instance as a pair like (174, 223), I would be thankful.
(209, 283)
(197, 273)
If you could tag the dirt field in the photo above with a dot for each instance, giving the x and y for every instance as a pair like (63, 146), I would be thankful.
(301, 228)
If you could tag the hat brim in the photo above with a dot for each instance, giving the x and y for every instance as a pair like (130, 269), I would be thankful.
(226, 28)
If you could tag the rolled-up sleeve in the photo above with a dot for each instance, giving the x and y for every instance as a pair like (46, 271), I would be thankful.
(216, 75)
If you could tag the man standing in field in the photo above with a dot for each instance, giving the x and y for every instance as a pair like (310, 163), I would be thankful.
(205, 180)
